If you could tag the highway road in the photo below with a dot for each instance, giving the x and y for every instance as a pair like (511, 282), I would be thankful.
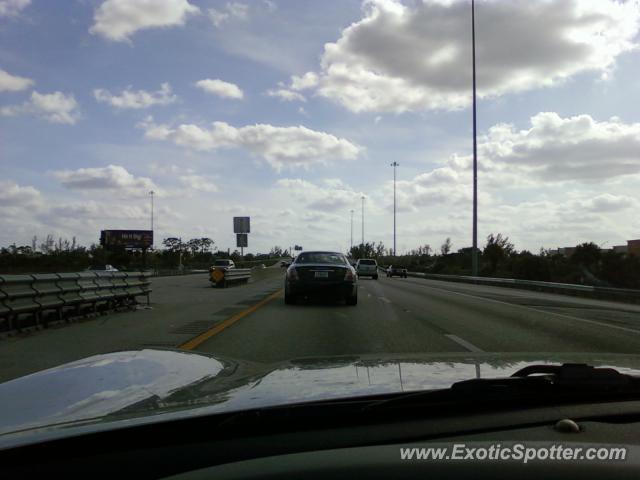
(395, 316)
(416, 315)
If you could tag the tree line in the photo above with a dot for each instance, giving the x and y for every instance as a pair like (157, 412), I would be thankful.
(588, 264)
(498, 258)
(64, 255)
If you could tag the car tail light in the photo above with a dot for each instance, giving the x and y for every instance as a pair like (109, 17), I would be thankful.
(349, 275)
(292, 274)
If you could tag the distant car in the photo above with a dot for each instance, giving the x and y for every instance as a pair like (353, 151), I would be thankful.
(396, 271)
(223, 263)
(324, 273)
(284, 263)
(103, 268)
(367, 267)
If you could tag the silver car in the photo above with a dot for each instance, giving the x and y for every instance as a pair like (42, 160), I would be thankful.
(367, 267)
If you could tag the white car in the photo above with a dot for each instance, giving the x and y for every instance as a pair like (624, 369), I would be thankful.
(367, 267)
(102, 268)
(223, 263)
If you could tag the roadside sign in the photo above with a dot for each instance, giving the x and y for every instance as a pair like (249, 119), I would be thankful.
(126, 238)
(241, 225)
(297, 247)
(242, 240)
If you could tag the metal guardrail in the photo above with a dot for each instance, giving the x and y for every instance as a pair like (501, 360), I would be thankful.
(221, 276)
(33, 296)
(175, 272)
(623, 294)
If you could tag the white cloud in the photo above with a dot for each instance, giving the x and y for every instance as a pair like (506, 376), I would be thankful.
(328, 196)
(279, 146)
(232, 10)
(606, 203)
(565, 220)
(12, 195)
(286, 95)
(559, 149)
(136, 99)
(552, 151)
(199, 183)
(116, 20)
(10, 8)
(17, 202)
(112, 177)
(97, 211)
(54, 107)
(171, 170)
(402, 58)
(220, 88)
(438, 187)
(13, 83)
(306, 81)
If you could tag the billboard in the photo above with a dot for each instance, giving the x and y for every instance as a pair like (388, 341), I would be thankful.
(241, 225)
(126, 238)
(242, 240)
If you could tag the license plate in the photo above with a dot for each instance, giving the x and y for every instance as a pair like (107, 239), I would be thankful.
(322, 274)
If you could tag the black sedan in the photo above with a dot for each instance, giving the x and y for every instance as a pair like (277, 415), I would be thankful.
(322, 273)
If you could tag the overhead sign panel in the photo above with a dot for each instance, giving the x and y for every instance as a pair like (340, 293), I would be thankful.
(126, 238)
(241, 225)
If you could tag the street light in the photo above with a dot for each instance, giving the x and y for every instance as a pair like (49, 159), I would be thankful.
(151, 193)
(394, 165)
(363, 222)
(474, 251)
(351, 230)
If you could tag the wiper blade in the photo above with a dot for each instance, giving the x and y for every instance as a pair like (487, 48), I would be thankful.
(574, 376)
(534, 382)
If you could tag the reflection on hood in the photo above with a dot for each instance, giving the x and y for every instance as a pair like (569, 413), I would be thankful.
(131, 385)
(98, 385)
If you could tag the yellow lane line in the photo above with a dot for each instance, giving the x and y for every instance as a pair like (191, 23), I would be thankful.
(196, 341)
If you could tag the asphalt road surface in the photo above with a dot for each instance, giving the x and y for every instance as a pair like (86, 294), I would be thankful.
(416, 315)
(393, 316)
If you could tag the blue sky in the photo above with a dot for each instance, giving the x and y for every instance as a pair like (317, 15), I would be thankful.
(100, 102)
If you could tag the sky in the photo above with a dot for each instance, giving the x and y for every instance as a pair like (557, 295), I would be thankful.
(291, 111)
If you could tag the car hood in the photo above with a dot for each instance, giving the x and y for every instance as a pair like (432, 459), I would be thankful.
(103, 391)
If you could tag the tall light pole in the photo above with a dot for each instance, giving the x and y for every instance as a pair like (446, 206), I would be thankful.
(363, 222)
(474, 251)
(394, 165)
(351, 230)
(151, 193)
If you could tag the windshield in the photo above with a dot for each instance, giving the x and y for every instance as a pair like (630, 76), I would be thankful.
(486, 179)
(321, 257)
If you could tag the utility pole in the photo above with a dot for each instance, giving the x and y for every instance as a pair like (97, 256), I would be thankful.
(394, 165)
(351, 230)
(363, 223)
(151, 193)
(474, 251)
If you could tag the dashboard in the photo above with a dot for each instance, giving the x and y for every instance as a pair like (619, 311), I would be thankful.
(317, 447)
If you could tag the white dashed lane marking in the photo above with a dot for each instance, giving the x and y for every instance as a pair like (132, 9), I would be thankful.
(462, 342)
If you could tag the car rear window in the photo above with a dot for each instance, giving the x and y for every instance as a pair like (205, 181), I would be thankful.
(321, 257)
(367, 262)
(221, 263)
